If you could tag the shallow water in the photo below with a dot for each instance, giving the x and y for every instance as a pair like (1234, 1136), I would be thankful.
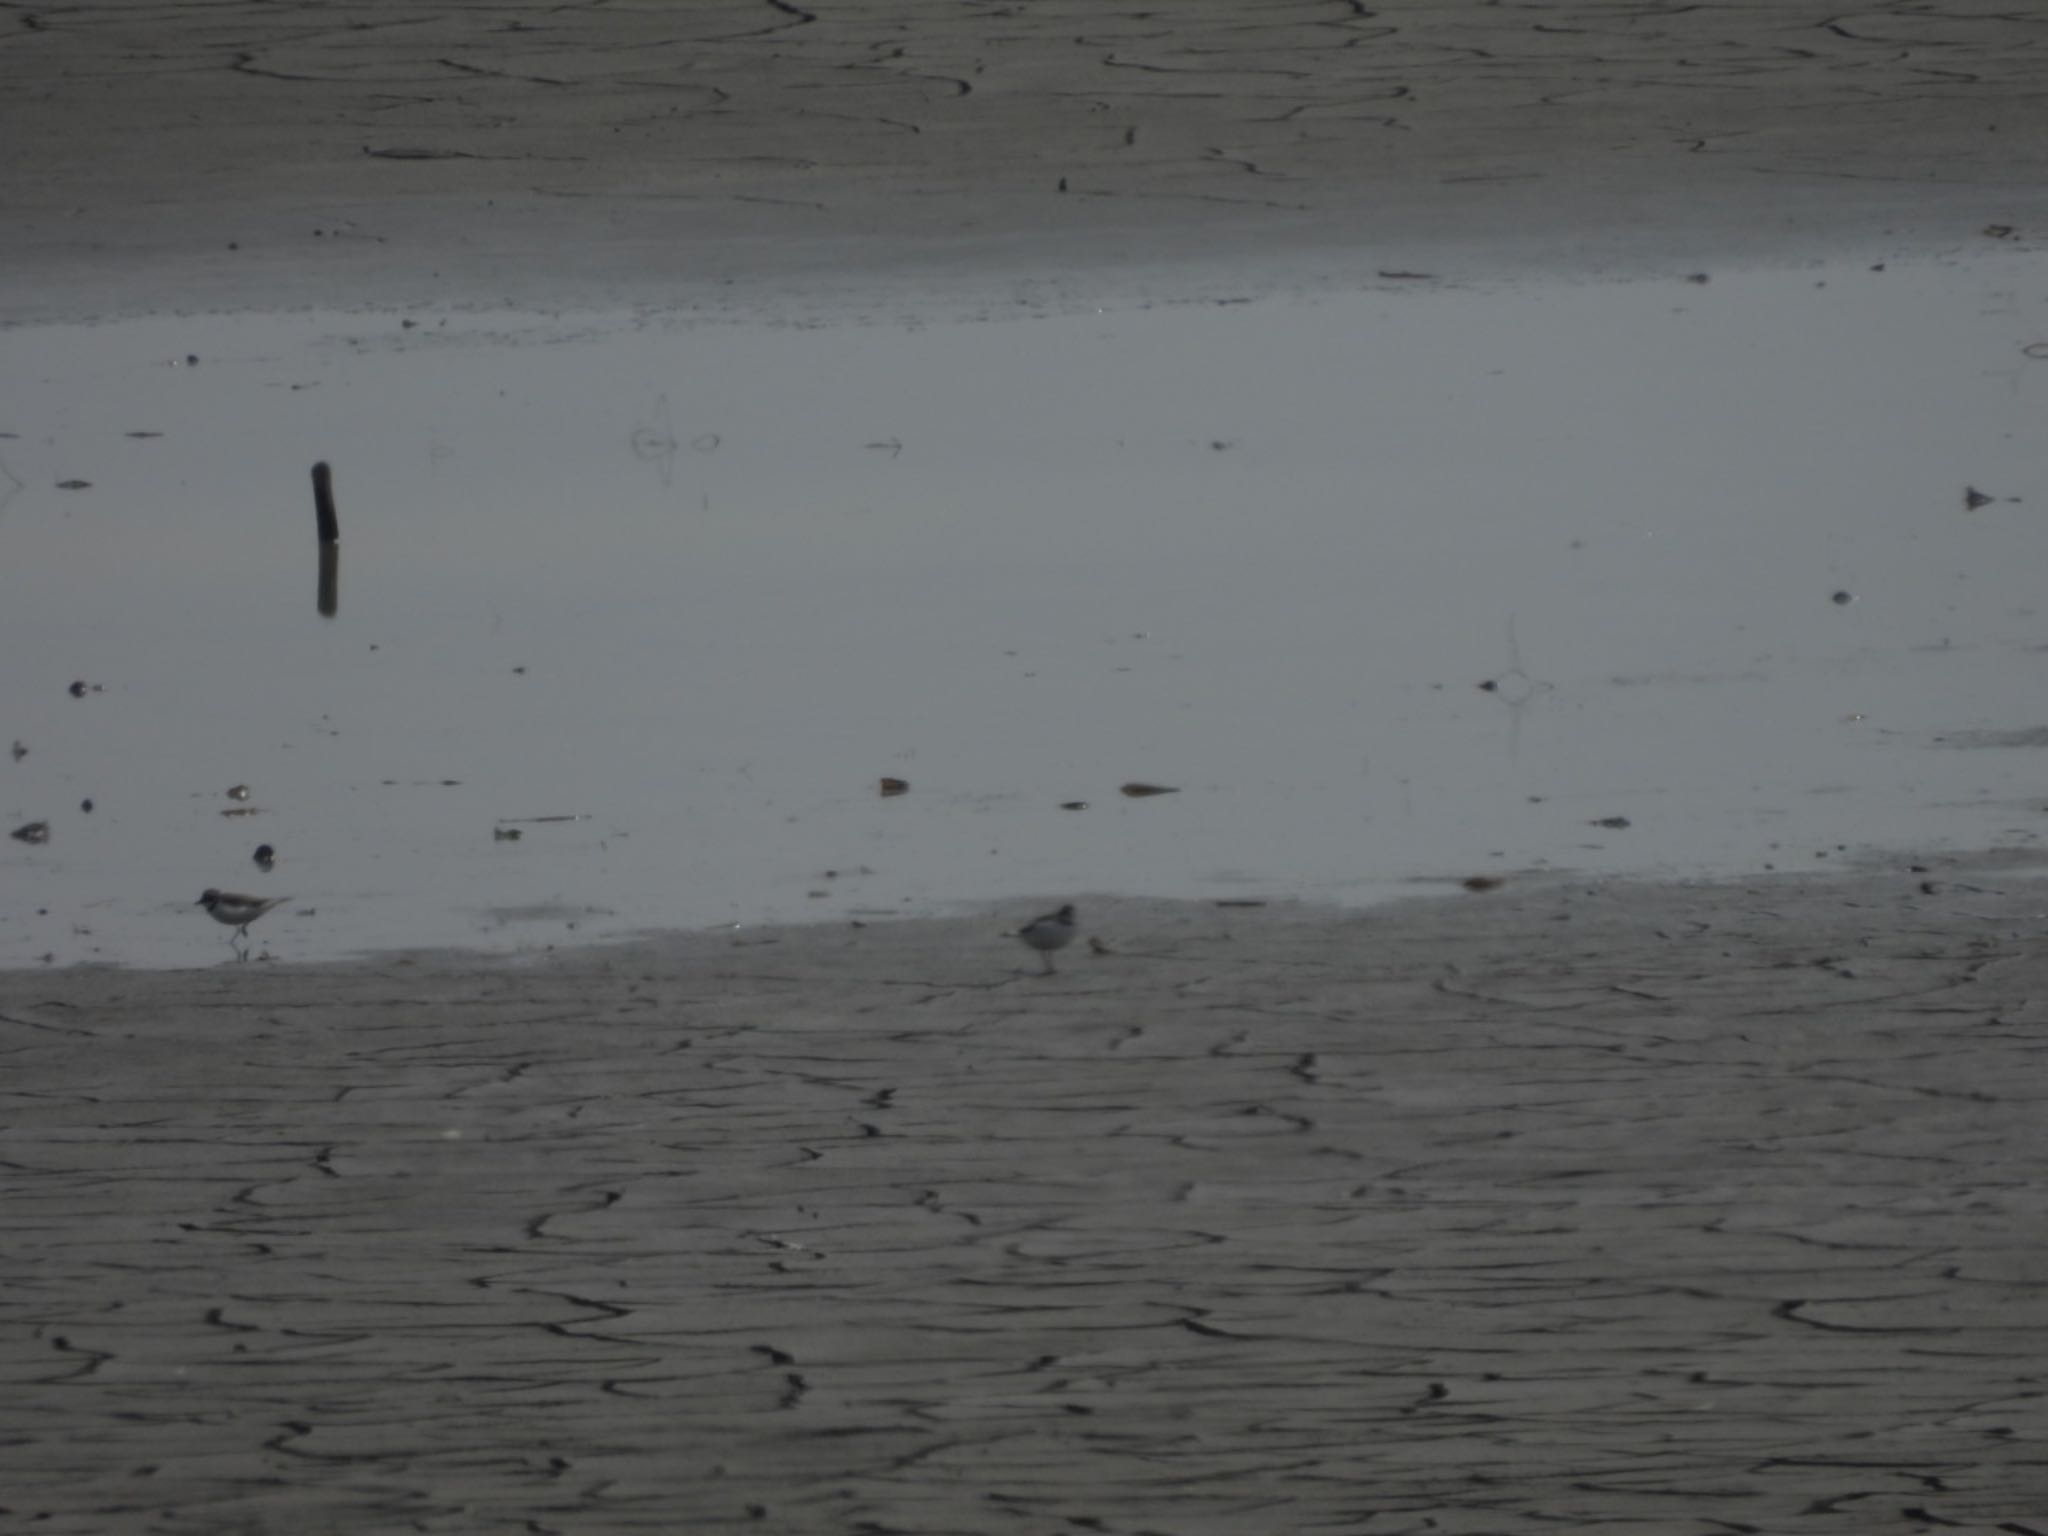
(697, 587)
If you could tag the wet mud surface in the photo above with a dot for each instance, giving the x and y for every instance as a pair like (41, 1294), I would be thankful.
(1680, 1209)
(1566, 1204)
(516, 148)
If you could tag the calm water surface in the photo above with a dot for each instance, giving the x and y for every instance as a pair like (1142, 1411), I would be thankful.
(1391, 586)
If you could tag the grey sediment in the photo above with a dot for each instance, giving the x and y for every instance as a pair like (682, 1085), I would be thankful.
(1599, 1202)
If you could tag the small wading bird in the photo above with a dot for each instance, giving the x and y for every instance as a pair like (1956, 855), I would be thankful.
(1055, 930)
(237, 911)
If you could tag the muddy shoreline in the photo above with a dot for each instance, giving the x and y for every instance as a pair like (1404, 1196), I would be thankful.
(1672, 1207)
(1665, 1208)
(748, 154)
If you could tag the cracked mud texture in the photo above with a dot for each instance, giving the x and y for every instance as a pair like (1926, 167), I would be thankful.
(1703, 1208)
(527, 148)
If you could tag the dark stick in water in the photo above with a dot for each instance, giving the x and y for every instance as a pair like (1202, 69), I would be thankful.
(330, 540)
(323, 503)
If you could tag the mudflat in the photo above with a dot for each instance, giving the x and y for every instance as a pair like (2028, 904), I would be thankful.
(1654, 1208)
(551, 155)
(1648, 1208)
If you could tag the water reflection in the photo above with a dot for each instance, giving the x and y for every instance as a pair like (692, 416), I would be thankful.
(1429, 584)
(329, 599)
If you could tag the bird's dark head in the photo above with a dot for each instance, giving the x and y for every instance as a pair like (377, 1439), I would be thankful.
(1066, 913)
(209, 898)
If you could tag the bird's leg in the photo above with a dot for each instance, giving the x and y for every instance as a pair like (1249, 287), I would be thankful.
(1045, 958)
